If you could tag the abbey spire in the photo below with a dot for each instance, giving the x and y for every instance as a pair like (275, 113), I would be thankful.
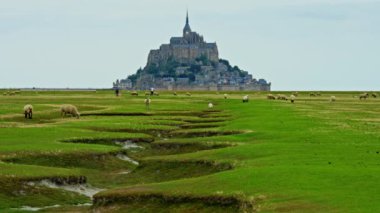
(187, 28)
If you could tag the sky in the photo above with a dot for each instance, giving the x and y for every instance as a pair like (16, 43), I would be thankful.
(294, 44)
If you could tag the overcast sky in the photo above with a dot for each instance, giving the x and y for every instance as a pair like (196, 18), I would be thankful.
(295, 44)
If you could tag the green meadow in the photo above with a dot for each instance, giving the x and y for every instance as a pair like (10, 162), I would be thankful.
(262, 156)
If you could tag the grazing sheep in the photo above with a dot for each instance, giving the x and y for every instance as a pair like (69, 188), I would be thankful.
(5, 93)
(271, 97)
(318, 94)
(147, 93)
(134, 93)
(12, 93)
(332, 98)
(245, 99)
(295, 94)
(69, 109)
(282, 97)
(363, 96)
(28, 111)
(374, 95)
(175, 93)
(156, 94)
(210, 105)
(147, 102)
(312, 94)
(188, 94)
(292, 98)
(225, 96)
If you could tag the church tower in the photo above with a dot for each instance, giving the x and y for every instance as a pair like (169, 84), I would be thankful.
(186, 29)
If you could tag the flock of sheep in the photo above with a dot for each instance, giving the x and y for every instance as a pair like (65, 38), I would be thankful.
(65, 109)
(73, 111)
(293, 96)
(11, 93)
(210, 105)
(366, 95)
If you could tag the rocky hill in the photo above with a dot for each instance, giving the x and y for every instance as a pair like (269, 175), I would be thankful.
(190, 63)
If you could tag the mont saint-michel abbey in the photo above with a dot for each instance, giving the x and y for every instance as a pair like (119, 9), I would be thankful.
(190, 63)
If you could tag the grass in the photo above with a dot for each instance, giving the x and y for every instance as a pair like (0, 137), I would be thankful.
(311, 156)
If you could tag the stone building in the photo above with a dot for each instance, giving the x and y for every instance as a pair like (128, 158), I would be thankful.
(190, 63)
(184, 49)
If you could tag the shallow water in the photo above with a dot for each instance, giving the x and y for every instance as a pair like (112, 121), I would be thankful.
(34, 209)
(82, 189)
(124, 173)
(126, 158)
(128, 145)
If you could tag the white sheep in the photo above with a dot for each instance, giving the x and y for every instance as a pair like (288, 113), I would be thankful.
(332, 98)
(28, 111)
(69, 109)
(292, 98)
(147, 102)
(245, 98)
(363, 96)
(282, 97)
(225, 96)
(188, 94)
(271, 97)
(210, 105)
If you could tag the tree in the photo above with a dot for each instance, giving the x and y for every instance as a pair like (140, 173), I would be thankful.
(194, 68)
(133, 78)
(191, 77)
(168, 68)
(152, 69)
(203, 58)
(227, 63)
(236, 68)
